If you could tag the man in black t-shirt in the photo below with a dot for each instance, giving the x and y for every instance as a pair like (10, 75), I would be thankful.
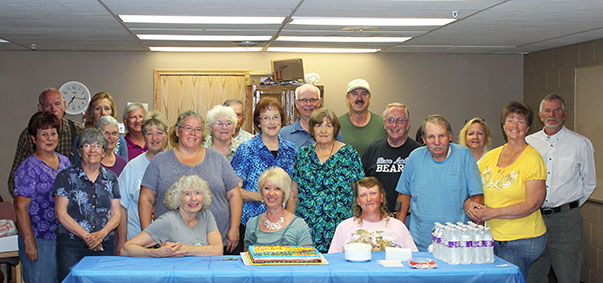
(385, 158)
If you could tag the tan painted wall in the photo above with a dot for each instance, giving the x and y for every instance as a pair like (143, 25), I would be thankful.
(457, 86)
(553, 71)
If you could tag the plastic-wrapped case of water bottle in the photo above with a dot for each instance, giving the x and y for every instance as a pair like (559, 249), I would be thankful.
(462, 243)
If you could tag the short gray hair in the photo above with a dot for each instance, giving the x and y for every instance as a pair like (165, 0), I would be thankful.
(219, 111)
(552, 97)
(154, 118)
(232, 101)
(396, 104)
(48, 90)
(307, 86)
(278, 177)
(438, 120)
(106, 120)
(171, 200)
(131, 107)
(90, 136)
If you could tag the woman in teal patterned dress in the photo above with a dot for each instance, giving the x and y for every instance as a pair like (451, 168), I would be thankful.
(324, 174)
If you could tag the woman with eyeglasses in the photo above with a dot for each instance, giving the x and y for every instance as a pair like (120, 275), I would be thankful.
(476, 136)
(324, 175)
(190, 157)
(86, 197)
(100, 105)
(221, 123)
(258, 154)
(109, 127)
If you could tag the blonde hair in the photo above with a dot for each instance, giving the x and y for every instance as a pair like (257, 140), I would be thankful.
(463, 132)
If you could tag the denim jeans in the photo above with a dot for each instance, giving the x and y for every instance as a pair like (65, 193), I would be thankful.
(69, 252)
(45, 268)
(522, 252)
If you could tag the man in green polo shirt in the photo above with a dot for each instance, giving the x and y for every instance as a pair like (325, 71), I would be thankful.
(360, 127)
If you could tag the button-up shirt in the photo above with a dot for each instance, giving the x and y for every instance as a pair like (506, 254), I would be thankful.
(570, 163)
(89, 202)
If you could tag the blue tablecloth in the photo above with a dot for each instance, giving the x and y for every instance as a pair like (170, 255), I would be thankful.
(198, 269)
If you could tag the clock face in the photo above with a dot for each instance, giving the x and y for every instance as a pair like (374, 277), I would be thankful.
(76, 96)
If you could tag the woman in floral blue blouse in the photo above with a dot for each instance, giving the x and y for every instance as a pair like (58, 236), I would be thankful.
(325, 173)
(86, 205)
(256, 155)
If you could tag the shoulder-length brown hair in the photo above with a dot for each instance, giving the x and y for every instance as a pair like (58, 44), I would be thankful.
(89, 113)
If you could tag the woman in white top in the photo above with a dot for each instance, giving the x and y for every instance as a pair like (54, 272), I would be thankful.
(476, 136)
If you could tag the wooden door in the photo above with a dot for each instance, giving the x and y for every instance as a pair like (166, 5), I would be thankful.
(179, 91)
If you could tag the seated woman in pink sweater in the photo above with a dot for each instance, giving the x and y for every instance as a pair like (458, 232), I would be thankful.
(371, 223)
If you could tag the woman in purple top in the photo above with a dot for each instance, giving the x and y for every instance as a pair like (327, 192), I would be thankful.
(110, 129)
(34, 202)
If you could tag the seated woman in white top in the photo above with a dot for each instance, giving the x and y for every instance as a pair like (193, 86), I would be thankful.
(371, 223)
(188, 229)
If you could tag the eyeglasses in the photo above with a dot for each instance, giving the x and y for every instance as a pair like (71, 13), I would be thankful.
(268, 118)
(92, 146)
(397, 121)
(109, 134)
(188, 129)
(223, 123)
(308, 100)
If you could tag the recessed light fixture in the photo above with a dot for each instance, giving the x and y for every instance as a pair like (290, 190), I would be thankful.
(371, 21)
(203, 37)
(201, 20)
(342, 39)
(321, 50)
(205, 49)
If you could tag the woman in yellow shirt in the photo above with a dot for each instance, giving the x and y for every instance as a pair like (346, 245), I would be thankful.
(514, 189)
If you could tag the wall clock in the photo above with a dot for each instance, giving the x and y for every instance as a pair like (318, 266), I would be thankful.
(76, 96)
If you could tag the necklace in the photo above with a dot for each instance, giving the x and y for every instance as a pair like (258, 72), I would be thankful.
(273, 225)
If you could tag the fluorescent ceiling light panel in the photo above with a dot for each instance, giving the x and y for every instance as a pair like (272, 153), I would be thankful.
(342, 39)
(201, 20)
(381, 22)
(321, 50)
(202, 37)
(205, 49)
(3, 41)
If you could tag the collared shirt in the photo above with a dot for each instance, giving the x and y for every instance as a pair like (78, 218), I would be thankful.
(570, 163)
(134, 149)
(243, 136)
(251, 160)
(89, 202)
(26, 147)
(297, 135)
(234, 144)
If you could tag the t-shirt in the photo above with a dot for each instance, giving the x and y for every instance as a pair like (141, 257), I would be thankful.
(170, 227)
(296, 233)
(387, 232)
(129, 186)
(34, 179)
(438, 190)
(165, 169)
(361, 137)
(386, 163)
(134, 150)
(118, 166)
(507, 186)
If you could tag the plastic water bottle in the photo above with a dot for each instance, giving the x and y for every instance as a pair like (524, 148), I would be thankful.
(443, 249)
(488, 246)
(434, 231)
(453, 247)
(466, 249)
(476, 243)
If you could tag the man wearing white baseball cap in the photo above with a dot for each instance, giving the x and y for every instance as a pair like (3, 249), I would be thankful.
(360, 127)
